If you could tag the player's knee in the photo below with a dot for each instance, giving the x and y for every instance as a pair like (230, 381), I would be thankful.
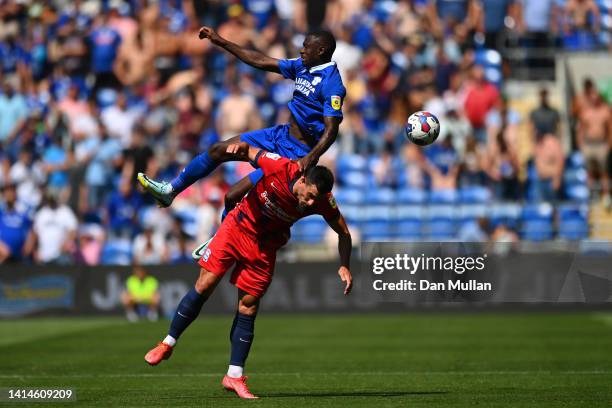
(206, 283)
(248, 305)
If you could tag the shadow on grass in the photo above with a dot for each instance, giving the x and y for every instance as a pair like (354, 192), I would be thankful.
(351, 394)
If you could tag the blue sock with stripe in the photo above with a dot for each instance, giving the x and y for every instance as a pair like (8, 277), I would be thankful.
(201, 166)
(241, 337)
(186, 312)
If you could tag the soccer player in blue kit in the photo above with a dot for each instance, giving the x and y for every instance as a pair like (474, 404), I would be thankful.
(316, 113)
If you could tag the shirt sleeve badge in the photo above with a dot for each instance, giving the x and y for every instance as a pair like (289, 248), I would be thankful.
(336, 102)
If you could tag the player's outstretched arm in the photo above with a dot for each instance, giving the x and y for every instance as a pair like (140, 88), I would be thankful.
(345, 246)
(332, 124)
(253, 58)
(243, 151)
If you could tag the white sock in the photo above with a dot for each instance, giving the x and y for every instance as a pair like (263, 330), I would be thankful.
(169, 340)
(235, 371)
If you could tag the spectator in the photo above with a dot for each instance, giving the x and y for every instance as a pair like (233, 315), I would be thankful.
(29, 176)
(104, 42)
(480, 97)
(13, 110)
(55, 227)
(582, 20)
(139, 158)
(150, 247)
(549, 163)
(593, 136)
(141, 294)
(16, 236)
(102, 169)
(545, 119)
(502, 168)
(493, 20)
(475, 231)
(228, 123)
(120, 120)
(123, 209)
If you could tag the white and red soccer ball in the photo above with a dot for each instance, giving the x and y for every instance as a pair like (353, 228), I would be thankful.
(422, 128)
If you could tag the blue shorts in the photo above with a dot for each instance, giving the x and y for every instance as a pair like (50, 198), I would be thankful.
(277, 140)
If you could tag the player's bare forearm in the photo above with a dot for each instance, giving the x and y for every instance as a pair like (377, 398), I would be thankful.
(332, 124)
(345, 242)
(252, 57)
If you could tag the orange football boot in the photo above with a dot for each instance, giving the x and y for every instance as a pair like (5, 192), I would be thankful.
(238, 385)
(158, 353)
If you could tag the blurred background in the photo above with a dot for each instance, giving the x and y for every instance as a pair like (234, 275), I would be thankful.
(95, 91)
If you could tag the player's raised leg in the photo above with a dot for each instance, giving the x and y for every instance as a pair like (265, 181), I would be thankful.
(186, 312)
(199, 167)
(241, 338)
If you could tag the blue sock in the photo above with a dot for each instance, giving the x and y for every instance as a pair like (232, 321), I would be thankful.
(186, 312)
(201, 166)
(241, 336)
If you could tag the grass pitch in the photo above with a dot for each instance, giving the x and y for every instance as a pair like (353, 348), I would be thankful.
(426, 360)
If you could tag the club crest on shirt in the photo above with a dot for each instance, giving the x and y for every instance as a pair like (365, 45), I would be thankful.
(336, 102)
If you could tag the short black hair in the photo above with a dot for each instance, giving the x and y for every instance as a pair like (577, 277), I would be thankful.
(327, 40)
(321, 177)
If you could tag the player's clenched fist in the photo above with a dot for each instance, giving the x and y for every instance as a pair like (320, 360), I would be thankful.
(347, 278)
(207, 32)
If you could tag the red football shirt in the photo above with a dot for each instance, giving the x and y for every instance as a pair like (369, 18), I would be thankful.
(269, 210)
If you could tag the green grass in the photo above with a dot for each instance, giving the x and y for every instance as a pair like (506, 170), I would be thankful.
(426, 360)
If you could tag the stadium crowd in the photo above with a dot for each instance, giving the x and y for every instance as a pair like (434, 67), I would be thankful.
(95, 91)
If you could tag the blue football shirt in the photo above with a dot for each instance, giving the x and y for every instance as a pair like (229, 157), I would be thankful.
(318, 92)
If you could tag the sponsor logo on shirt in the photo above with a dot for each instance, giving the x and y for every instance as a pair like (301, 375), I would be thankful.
(336, 102)
(304, 86)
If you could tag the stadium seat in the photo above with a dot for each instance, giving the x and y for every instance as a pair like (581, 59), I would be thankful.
(409, 222)
(573, 221)
(353, 179)
(378, 223)
(474, 194)
(507, 214)
(350, 162)
(347, 196)
(310, 230)
(443, 196)
(116, 252)
(537, 222)
(441, 225)
(577, 193)
(381, 196)
(411, 196)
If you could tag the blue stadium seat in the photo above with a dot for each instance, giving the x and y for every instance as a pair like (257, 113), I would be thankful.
(573, 221)
(507, 214)
(353, 179)
(474, 194)
(537, 222)
(470, 212)
(443, 196)
(378, 223)
(116, 252)
(441, 225)
(575, 160)
(381, 196)
(350, 162)
(310, 230)
(409, 230)
(411, 196)
(349, 196)
(577, 193)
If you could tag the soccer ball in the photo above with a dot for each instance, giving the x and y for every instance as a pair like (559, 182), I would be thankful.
(422, 128)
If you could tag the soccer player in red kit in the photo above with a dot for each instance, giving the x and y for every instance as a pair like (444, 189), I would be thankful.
(248, 238)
